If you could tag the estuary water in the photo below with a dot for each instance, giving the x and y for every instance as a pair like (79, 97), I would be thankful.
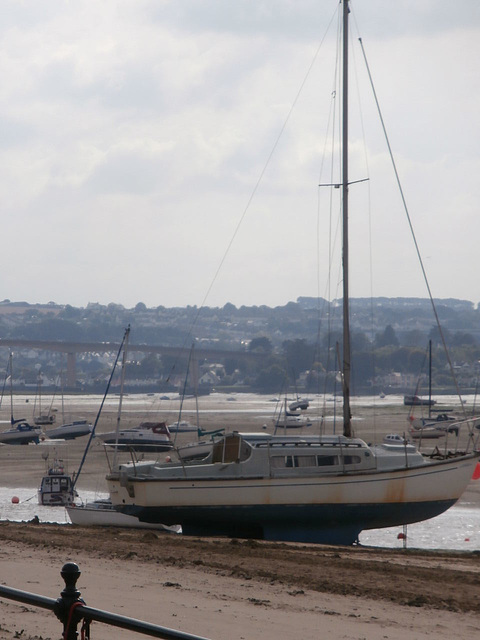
(458, 529)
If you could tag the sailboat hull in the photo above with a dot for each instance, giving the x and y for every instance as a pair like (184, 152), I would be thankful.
(327, 509)
(324, 524)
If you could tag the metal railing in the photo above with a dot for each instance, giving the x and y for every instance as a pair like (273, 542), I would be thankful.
(70, 609)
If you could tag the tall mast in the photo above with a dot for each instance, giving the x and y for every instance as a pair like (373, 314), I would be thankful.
(347, 426)
(429, 378)
(12, 421)
(120, 402)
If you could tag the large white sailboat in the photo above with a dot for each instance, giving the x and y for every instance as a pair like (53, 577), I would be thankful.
(321, 488)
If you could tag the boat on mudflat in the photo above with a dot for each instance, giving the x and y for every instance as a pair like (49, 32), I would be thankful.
(101, 513)
(182, 426)
(70, 430)
(418, 401)
(311, 489)
(316, 488)
(21, 433)
(148, 436)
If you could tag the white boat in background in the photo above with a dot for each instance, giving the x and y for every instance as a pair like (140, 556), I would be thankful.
(292, 422)
(70, 431)
(183, 426)
(21, 433)
(292, 419)
(299, 404)
(148, 436)
(319, 488)
(101, 513)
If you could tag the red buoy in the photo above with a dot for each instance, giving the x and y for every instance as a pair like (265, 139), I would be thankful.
(401, 536)
(15, 500)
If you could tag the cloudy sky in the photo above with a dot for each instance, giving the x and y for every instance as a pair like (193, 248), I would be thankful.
(134, 134)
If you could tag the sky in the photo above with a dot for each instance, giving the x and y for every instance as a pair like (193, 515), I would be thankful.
(170, 151)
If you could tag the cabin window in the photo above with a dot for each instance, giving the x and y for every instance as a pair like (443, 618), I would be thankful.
(327, 461)
(280, 462)
(305, 461)
(352, 459)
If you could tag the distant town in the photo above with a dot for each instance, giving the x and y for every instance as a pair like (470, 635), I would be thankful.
(247, 348)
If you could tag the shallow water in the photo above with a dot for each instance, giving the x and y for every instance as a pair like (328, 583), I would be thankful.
(458, 529)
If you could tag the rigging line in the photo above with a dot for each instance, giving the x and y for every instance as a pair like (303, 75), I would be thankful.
(410, 224)
(331, 123)
(183, 395)
(260, 178)
(5, 380)
(370, 227)
(92, 433)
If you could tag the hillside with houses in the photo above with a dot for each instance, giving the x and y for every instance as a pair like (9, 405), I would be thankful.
(294, 344)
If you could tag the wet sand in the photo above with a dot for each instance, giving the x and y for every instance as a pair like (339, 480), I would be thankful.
(240, 590)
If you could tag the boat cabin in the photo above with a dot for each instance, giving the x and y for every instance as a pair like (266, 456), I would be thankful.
(56, 489)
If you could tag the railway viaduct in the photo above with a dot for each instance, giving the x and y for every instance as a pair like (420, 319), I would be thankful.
(72, 348)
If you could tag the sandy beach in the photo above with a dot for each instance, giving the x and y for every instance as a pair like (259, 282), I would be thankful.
(221, 588)
(240, 590)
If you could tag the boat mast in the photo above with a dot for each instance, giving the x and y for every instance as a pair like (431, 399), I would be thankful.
(12, 421)
(120, 402)
(347, 426)
(429, 378)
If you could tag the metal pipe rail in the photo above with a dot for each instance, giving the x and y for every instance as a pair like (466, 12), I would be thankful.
(70, 609)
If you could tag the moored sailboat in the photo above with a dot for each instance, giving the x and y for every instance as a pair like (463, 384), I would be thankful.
(20, 432)
(323, 489)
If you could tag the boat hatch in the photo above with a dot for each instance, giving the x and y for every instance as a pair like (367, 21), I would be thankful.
(232, 448)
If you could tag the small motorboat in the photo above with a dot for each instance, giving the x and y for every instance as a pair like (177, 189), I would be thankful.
(442, 420)
(148, 436)
(300, 403)
(293, 422)
(102, 513)
(56, 488)
(427, 433)
(182, 427)
(417, 401)
(395, 438)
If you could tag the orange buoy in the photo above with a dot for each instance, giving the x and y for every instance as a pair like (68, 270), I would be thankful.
(15, 500)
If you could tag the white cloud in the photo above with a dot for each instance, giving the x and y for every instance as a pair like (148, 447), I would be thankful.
(132, 135)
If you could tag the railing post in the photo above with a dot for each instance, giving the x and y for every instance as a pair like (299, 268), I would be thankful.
(65, 605)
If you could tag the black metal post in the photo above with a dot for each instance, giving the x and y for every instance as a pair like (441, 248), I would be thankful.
(70, 609)
(65, 606)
